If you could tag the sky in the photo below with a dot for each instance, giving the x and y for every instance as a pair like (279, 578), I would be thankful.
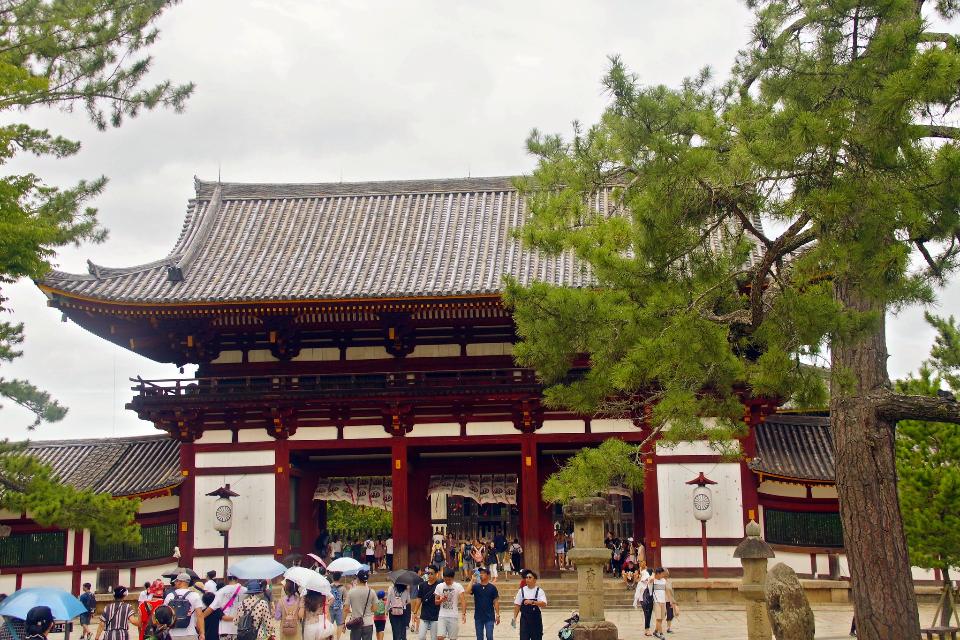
(322, 91)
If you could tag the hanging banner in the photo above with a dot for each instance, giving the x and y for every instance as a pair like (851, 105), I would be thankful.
(485, 489)
(376, 491)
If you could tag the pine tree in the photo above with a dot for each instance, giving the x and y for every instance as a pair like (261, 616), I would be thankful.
(63, 54)
(761, 224)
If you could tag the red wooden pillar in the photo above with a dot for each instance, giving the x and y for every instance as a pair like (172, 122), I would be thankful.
(651, 509)
(400, 474)
(748, 479)
(282, 499)
(306, 513)
(77, 560)
(187, 515)
(530, 504)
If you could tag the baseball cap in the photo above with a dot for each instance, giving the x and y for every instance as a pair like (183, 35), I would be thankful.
(363, 575)
(255, 586)
(183, 577)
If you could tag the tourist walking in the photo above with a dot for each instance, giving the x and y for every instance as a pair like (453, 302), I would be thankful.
(437, 555)
(398, 610)
(426, 610)
(560, 549)
(380, 614)
(186, 604)
(88, 600)
(336, 547)
(211, 584)
(673, 609)
(516, 556)
(486, 605)
(210, 617)
(287, 611)
(379, 552)
(117, 617)
(643, 597)
(370, 554)
(388, 548)
(453, 606)
(659, 601)
(529, 604)
(150, 598)
(358, 608)
(317, 624)
(253, 614)
(227, 603)
(337, 600)
(500, 546)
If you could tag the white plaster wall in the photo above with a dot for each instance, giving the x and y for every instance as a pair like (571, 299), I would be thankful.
(773, 488)
(261, 355)
(254, 435)
(253, 511)
(71, 543)
(435, 351)
(154, 571)
(676, 504)
(359, 432)
(367, 353)
(490, 349)
(8, 584)
(439, 429)
(59, 580)
(234, 458)
(799, 562)
(163, 503)
(562, 426)
(824, 492)
(91, 577)
(605, 425)
(490, 428)
(85, 552)
(324, 354)
(216, 436)
(228, 357)
(315, 433)
(689, 556)
(694, 448)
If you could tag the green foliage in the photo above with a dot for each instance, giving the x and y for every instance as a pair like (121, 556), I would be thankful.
(345, 518)
(928, 466)
(593, 470)
(64, 53)
(826, 134)
(27, 485)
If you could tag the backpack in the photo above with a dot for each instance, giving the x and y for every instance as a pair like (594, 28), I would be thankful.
(289, 622)
(88, 600)
(182, 609)
(337, 604)
(438, 556)
(246, 628)
(397, 607)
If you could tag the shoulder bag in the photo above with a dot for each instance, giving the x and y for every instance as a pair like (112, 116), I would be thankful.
(356, 622)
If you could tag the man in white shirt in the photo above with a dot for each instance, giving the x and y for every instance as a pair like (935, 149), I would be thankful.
(210, 585)
(370, 553)
(186, 603)
(228, 601)
(389, 545)
(450, 596)
(336, 547)
(659, 601)
(529, 604)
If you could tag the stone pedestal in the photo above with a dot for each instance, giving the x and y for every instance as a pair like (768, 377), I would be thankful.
(754, 552)
(590, 555)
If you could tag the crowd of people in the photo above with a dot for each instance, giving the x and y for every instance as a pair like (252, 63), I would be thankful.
(464, 556)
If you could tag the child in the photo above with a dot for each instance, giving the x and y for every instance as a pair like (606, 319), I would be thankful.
(659, 601)
(380, 614)
(88, 600)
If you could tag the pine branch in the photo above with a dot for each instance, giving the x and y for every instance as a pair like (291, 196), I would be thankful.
(898, 406)
(935, 131)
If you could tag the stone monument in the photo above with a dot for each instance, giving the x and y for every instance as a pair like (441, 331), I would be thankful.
(753, 552)
(590, 555)
(791, 617)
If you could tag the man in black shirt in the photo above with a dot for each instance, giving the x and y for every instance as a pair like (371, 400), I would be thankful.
(426, 610)
(486, 605)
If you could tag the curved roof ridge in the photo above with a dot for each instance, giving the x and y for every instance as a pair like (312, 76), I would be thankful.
(282, 190)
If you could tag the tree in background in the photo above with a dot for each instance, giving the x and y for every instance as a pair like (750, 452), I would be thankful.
(759, 224)
(592, 471)
(928, 465)
(344, 518)
(64, 54)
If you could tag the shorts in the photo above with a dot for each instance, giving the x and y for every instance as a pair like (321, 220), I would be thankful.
(448, 627)
(669, 612)
(428, 629)
(337, 616)
(561, 548)
(379, 625)
(493, 570)
(659, 610)
(85, 618)
(469, 564)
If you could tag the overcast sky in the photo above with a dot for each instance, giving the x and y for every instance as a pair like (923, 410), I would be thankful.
(313, 91)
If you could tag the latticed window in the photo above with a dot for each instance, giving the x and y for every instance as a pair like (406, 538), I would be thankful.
(157, 541)
(802, 529)
(33, 549)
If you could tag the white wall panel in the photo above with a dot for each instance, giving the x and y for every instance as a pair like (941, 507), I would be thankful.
(491, 429)
(799, 562)
(315, 433)
(435, 351)
(695, 448)
(216, 436)
(440, 429)
(364, 431)
(562, 426)
(59, 580)
(367, 353)
(676, 505)
(85, 553)
(261, 355)
(323, 354)
(692, 557)
(254, 435)
(490, 349)
(254, 510)
(256, 458)
(8, 584)
(828, 491)
(605, 425)
(163, 503)
(228, 357)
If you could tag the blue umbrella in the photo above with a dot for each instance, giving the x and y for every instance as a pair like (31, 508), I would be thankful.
(261, 568)
(353, 572)
(64, 606)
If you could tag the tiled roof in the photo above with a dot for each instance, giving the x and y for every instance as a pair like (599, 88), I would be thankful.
(799, 447)
(266, 242)
(118, 466)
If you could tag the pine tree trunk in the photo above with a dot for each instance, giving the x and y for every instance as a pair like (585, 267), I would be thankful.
(884, 599)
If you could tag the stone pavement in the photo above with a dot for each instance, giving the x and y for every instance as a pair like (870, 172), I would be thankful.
(718, 622)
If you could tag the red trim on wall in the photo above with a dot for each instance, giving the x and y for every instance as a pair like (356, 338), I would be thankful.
(748, 479)
(651, 509)
(282, 500)
(689, 458)
(234, 446)
(530, 502)
(204, 552)
(187, 498)
(697, 542)
(158, 517)
(229, 471)
(18, 584)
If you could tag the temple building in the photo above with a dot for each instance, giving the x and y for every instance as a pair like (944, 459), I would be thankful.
(351, 344)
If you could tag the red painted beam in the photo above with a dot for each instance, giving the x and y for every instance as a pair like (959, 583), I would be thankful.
(205, 552)
(78, 541)
(225, 471)
(651, 510)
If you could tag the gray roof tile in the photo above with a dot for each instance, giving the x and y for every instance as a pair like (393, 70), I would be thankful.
(792, 446)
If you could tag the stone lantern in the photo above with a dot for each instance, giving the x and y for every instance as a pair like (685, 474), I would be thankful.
(590, 555)
(754, 552)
